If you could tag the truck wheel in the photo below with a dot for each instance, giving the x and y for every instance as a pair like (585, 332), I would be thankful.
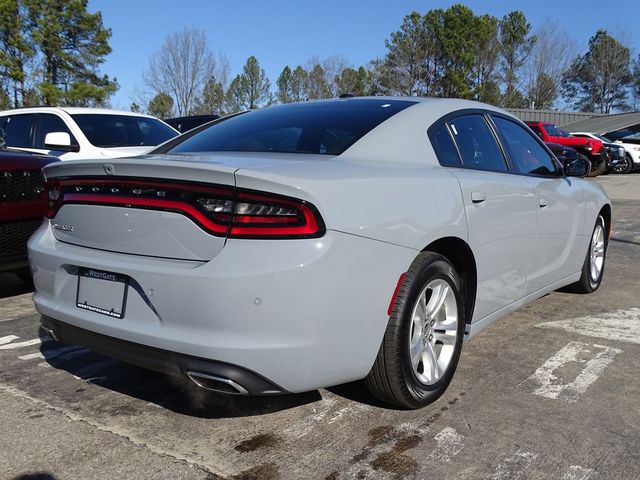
(597, 168)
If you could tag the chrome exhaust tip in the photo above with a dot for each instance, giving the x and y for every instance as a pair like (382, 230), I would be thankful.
(216, 384)
(50, 332)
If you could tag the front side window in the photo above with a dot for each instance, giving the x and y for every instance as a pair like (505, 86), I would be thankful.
(48, 123)
(105, 131)
(525, 152)
(17, 129)
(477, 144)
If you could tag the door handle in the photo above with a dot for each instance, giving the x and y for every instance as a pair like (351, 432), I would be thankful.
(478, 197)
(542, 202)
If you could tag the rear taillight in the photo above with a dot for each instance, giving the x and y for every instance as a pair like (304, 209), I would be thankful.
(219, 210)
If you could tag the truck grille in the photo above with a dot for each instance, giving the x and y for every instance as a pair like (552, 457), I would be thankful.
(14, 236)
(21, 185)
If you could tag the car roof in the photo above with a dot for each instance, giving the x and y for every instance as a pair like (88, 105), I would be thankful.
(76, 111)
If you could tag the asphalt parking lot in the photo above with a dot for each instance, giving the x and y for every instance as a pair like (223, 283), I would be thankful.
(550, 392)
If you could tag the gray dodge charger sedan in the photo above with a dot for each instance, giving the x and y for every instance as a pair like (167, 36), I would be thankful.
(312, 244)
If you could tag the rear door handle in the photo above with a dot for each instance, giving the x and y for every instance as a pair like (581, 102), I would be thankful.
(478, 197)
(542, 202)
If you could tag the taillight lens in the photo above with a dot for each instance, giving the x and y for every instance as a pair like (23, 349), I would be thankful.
(219, 210)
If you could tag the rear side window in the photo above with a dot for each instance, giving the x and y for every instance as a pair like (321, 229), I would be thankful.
(328, 128)
(48, 123)
(444, 147)
(525, 152)
(477, 144)
(17, 129)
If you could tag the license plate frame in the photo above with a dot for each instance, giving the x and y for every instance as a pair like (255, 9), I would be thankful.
(102, 292)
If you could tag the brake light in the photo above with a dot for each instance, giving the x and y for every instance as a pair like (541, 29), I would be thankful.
(219, 210)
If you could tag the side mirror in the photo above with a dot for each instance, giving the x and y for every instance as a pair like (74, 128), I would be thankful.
(578, 167)
(60, 141)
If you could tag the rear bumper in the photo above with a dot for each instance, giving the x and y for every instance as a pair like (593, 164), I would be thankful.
(303, 313)
(164, 361)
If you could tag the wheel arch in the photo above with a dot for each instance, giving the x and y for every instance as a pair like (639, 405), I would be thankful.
(459, 253)
(605, 211)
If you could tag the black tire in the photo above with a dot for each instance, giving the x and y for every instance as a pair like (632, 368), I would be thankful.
(392, 378)
(597, 167)
(587, 283)
(628, 168)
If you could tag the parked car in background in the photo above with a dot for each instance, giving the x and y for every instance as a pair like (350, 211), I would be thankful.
(184, 124)
(589, 147)
(630, 141)
(316, 243)
(83, 133)
(617, 159)
(22, 205)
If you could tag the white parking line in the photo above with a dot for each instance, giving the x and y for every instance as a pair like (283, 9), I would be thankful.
(448, 444)
(591, 359)
(8, 339)
(576, 472)
(513, 467)
(28, 343)
(621, 325)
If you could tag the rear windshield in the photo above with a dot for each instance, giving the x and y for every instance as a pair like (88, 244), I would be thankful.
(315, 127)
(104, 130)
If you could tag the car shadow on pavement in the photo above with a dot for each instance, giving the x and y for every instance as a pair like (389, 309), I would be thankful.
(11, 286)
(172, 393)
(35, 476)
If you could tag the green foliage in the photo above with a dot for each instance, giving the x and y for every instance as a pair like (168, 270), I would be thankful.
(249, 90)
(57, 46)
(515, 45)
(16, 48)
(212, 99)
(542, 93)
(134, 107)
(355, 82)
(317, 85)
(299, 79)
(284, 85)
(161, 106)
(599, 79)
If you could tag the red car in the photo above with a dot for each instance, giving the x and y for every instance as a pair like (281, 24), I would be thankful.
(22, 206)
(591, 148)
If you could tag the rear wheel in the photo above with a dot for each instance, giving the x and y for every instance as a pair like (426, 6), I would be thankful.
(593, 267)
(423, 340)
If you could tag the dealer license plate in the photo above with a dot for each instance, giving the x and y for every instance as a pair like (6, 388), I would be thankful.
(102, 292)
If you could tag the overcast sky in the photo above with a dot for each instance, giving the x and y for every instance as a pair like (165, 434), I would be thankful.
(282, 32)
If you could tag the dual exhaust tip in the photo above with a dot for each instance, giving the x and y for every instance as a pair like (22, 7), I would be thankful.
(216, 383)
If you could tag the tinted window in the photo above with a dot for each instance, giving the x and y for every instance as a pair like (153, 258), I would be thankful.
(314, 127)
(48, 123)
(104, 130)
(444, 147)
(524, 150)
(537, 130)
(553, 130)
(477, 144)
(18, 130)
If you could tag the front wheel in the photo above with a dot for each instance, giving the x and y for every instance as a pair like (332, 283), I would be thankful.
(423, 339)
(593, 266)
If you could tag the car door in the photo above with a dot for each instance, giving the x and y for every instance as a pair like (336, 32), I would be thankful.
(500, 209)
(559, 205)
